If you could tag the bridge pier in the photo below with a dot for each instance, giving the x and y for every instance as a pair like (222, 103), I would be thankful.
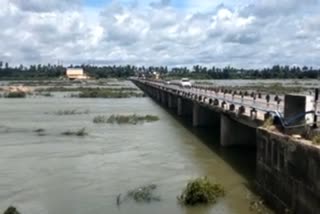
(172, 101)
(235, 133)
(163, 98)
(184, 107)
(204, 117)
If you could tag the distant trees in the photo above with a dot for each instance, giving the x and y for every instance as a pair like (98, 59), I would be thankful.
(196, 72)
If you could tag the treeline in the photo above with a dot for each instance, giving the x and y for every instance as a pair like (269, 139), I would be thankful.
(196, 72)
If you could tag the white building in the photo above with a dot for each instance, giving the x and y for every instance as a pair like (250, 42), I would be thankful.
(76, 74)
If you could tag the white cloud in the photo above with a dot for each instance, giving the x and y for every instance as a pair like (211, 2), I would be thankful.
(159, 34)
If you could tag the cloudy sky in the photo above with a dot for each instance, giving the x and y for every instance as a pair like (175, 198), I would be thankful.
(242, 33)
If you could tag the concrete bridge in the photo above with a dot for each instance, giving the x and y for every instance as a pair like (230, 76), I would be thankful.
(287, 169)
(224, 110)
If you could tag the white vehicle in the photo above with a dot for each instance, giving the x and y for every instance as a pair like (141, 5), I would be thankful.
(185, 82)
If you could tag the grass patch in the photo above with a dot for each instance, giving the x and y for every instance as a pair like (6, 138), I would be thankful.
(81, 132)
(15, 94)
(201, 191)
(126, 119)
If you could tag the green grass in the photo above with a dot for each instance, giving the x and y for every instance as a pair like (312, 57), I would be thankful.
(201, 191)
(81, 132)
(125, 119)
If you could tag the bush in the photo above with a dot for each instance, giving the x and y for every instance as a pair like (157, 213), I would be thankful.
(11, 210)
(16, 94)
(201, 191)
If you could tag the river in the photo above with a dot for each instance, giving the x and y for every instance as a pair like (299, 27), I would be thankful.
(56, 174)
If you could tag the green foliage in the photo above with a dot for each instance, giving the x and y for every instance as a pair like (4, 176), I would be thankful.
(201, 191)
(125, 119)
(81, 132)
(16, 94)
(197, 72)
(11, 210)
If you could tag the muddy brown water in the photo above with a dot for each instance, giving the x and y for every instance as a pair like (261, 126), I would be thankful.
(56, 174)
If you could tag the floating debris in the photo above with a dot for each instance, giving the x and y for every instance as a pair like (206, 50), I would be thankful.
(201, 191)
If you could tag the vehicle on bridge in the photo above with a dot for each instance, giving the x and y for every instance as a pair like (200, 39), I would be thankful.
(185, 83)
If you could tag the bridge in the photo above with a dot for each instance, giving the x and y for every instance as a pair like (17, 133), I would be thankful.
(287, 169)
(227, 110)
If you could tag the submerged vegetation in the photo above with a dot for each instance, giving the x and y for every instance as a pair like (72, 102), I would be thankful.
(108, 93)
(81, 132)
(140, 194)
(125, 119)
(15, 94)
(201, 191)
(71, 112)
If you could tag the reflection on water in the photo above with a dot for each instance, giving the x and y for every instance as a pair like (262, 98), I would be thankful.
(58, 174)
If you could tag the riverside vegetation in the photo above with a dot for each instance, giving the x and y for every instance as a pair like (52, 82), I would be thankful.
(201, 191)
(125, 119)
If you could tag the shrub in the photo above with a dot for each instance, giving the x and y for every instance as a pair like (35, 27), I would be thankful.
(11, 210)
(201, 191)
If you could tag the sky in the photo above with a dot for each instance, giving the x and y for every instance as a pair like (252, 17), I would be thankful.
(239, 33)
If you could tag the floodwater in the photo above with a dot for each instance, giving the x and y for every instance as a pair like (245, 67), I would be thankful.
(56, 174)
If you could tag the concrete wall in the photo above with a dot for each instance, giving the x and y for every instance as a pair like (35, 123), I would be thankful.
(235, 133)
(288, 173)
